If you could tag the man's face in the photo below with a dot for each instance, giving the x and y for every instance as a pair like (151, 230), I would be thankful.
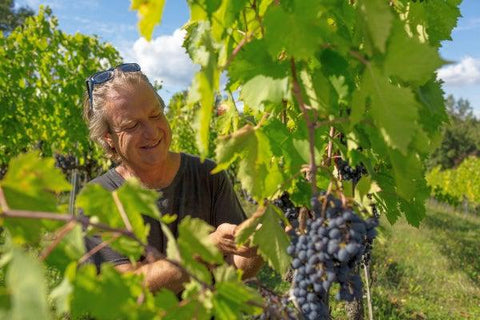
(140, 133)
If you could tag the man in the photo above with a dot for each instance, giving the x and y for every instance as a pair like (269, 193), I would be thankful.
(125, 116)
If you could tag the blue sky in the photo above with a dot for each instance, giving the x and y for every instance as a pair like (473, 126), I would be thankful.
(164, 59)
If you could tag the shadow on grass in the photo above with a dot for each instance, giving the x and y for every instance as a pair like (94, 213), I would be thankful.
(458, 240)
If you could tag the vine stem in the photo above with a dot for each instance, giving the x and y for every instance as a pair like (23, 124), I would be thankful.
(297, 92)
(97, 248)
(121, 209)
(369, 298)
(62, 232)
(248, 36)
(85, 221)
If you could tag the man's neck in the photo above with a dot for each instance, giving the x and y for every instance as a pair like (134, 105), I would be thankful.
(153, 178)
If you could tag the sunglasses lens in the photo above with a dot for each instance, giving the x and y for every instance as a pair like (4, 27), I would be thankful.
(129, 67)
(102, 77)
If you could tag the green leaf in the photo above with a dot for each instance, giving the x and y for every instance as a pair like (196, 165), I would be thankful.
(149, 13)
(258, 175)
(379, 19)
(254, 60)
(204, 51)
(231, 299)
(298, 30)
(193, 236)
(25, 280)
(98, 202)
(261, 89)
(272, 241)
(109, 295)
(190, 310)
(393, 108)
(438, 17)
(409, 59)
(138, 200)
(248, 227)
(31, 183)
(61, 295)
(172, 249)
(71, 248)
(165, 299)
(225, 273)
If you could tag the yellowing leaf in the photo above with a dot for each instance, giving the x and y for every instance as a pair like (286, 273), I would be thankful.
(149, 13)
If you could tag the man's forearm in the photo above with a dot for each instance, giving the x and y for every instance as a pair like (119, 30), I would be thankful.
(159, 274)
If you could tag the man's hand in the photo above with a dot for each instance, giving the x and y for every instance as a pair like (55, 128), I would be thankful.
(224, 239)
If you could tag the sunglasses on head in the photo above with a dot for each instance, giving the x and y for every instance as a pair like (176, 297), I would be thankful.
(103, 76)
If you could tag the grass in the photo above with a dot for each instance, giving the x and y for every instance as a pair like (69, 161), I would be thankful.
(429, 273)
(432, 272)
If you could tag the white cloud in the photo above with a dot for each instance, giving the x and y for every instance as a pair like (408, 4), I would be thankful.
(466, 72)
(162, 59)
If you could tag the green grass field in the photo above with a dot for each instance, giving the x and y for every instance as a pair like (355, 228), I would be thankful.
(432, 272)
(428, 273)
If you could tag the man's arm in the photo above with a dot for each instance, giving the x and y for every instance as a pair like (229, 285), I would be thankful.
(158, 274)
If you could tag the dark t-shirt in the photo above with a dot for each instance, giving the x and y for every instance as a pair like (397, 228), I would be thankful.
(193, 192)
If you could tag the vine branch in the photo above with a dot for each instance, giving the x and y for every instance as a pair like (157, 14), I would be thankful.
(297, 92)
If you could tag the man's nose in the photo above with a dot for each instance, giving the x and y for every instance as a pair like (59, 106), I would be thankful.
(149, 130)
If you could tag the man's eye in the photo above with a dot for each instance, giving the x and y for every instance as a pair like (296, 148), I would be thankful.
(131, 126)
(157, 116)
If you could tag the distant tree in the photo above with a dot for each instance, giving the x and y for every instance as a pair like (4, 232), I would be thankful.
(461, 135)
(11, 18)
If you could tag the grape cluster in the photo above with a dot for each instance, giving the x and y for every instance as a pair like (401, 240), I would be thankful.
(287, 206)
(349, 173)
(65, 162)
(328, 252)
(276, 307)
(249, 198)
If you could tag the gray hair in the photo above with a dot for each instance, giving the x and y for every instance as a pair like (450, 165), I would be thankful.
(96, 117)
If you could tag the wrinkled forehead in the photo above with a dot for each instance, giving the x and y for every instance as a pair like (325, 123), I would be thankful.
(132, 99)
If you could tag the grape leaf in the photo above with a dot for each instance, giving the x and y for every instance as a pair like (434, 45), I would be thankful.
(379, 19)
(409, 59)
(193, 234)
(261, 89)
(107, 295)
(61, 295)
(135, 200)
(71, 248)
(272, 241)
(393, 108)
(27, 287)
(254, 60)
(149, 13)
(202, 48)
(255, 171)
(165, 299)
(231, 299)
(31, 183)
(298, 30)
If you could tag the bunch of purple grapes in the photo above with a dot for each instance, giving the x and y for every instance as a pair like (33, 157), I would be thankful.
(287, 206)
(65, 162)
(3, 171)
(350, 173)
(328, 252)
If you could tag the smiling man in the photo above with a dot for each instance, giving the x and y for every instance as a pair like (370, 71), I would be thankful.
(125, 116)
